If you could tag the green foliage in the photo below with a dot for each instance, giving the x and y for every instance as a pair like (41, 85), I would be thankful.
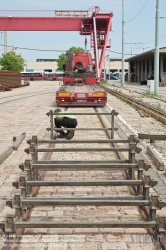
(61, 61)
(149, 95)
(76, 49)
(12, 61)
(104, 82)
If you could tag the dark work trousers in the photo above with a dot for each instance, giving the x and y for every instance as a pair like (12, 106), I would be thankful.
(65, 122)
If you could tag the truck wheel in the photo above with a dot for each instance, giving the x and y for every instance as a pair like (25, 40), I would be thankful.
(31, 79)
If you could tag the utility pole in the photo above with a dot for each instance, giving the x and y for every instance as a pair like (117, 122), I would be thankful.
(5, 42)
(156, 58)
(109, 66)
(143, 48)
(104, 70)
(85, 42)
(104, 67)
(122, 80)
(131, 47)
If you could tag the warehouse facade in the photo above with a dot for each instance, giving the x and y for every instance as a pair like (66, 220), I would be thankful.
(142, 66)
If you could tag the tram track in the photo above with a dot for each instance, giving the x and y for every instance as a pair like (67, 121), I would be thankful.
(103, 125)
(140, 91)
(149, 110)
(23, 96)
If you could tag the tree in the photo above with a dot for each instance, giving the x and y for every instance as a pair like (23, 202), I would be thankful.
(76, 49)
(62, 58)
(61, 61)
(12, 61)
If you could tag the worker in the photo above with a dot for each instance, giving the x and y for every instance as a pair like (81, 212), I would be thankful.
(66, 121)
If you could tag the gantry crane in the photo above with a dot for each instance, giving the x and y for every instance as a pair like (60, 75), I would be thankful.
(91, 22)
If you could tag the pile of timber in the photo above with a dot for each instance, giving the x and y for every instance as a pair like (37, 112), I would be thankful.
(9, 80)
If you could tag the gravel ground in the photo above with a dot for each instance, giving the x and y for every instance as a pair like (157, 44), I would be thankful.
(147, 125)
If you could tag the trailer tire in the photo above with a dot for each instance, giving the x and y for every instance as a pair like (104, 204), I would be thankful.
(31, 79)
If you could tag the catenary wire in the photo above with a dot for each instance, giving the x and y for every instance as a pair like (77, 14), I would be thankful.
(119, 52)
(147, 42)
(138, 12)
(34, 49)
(132, 37)
(154, 40)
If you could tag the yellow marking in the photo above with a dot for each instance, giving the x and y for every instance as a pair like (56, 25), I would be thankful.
(98, 94)
(63, 94)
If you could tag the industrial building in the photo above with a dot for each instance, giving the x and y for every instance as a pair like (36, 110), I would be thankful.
(142, 66)
(41, 65)
(50, 65)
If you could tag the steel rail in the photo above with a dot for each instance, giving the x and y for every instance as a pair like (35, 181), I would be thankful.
(38, 92)
(5, 154)
(81, 149)
(143, 91)
(74, 113)
(105, 198)
(83, 162)
(83, 167)
(128, 224)
(85, 183)
(82, 141)
(157, 114)
(152, 137)
(83, 202)
(43, 93)
(162, 118)
(84, 129)
(77, 201)
(10, 244)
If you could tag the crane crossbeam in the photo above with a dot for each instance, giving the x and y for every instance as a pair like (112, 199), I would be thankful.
(60, 23)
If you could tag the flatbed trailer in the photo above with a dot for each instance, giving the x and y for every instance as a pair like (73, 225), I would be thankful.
(81, 95)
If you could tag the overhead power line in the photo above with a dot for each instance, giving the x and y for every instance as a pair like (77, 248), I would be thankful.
(133, 37)
(154, 40)
(119, 52)
(51, 50)
(138, 13)
(147, 42)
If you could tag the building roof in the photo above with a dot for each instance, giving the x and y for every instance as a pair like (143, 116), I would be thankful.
(147, 54)
(46, 60)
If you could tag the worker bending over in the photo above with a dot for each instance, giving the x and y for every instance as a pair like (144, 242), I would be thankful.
(66, 121)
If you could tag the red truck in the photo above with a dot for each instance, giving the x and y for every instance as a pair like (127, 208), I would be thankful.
(80, 87)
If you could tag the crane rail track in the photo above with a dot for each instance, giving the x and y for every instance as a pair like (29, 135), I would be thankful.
(22, 96)
(143, 91)
(155, 113)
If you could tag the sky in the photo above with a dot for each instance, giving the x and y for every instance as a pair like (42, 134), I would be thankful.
(139, 28)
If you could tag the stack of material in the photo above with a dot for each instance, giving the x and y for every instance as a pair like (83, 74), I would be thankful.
(132, 77)
(9, 80)
(161, 84)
